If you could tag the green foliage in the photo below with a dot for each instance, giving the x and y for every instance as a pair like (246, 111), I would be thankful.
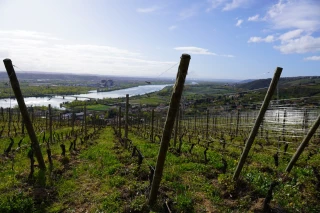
(185, 202)
(17, 203)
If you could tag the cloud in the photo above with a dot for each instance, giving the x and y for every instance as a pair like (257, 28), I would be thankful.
(268, 39)
(290, 35)
(297, 22)
(42, 54)
(229, 56)
(147, 9)
(200, 51)
(227, 5)
(254, 18)
(293, 14)
(312, 58)
(188, 12)
(195, 50)
(173, 27)
(27, 35)
(235, 4)
(239, 22)
(302, 44)
(215, 4)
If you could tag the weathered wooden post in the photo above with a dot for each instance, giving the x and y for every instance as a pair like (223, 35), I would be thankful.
(94, 121)
(46, 121)
(172, 112)
(303, 144)
(152, 126)
(17, 92)
(176, 130)
(238, 119)
(85, 119)
(126, 122)
(73, 115)
(50, 123)
(9, 121)
(259, 119)
(207, 126)
(119, 122)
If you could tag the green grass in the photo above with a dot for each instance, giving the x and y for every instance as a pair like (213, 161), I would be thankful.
(102, 176)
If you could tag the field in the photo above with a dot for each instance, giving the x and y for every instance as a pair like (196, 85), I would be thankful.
(100, 170)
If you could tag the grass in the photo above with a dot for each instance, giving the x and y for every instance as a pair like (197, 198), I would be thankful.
(102, 176)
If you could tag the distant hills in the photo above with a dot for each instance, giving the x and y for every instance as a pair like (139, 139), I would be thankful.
(283, 82)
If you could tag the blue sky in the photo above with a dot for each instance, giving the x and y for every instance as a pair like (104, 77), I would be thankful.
(227, 39)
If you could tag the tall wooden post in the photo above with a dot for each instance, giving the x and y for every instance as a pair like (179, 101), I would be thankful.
(152, 126)
(259, 119)
(17, 92)
(172, 112)
(303, 144)
(207, 126)
(126, 122)
(176, 130)
(119, 122)
(85, 119)
(238, 119)
(50, 123)
(9, 122)
(46, 121)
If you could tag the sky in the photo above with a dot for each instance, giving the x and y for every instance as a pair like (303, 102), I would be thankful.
(227, 39)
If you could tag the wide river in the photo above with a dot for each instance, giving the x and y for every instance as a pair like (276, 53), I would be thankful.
(55, 101)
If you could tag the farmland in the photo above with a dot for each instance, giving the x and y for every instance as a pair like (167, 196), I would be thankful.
(99, 169)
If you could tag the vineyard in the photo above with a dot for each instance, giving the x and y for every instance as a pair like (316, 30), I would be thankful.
(94, 163)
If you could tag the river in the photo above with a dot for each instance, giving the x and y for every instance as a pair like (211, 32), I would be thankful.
(55, 101)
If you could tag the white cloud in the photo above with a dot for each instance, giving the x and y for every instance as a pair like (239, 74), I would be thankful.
(173, 27)
(290, 35)
(188, 12)
(227, 5)
(239, 22)
(31, 54)
(295, 14)
(200, 51)
(312, 58)
(215, 3)
(268, 39)
(147, 9)
(235, 4)
(303, 44)
(297, 22)
(229, 56)
(195, 50)
(254, 18)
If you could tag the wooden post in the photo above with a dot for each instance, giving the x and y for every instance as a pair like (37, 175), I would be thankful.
(119, 122)
(303, 144)
(126, 122)
(238, 119)
(17, 92)
(259, 119)
(207, 127)
(152, 126)
(172, 112)
(9, 122)
(85, 119)
(50, 123)
(176, 130)
(94, 121)
(73, 120)
(46, 121)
